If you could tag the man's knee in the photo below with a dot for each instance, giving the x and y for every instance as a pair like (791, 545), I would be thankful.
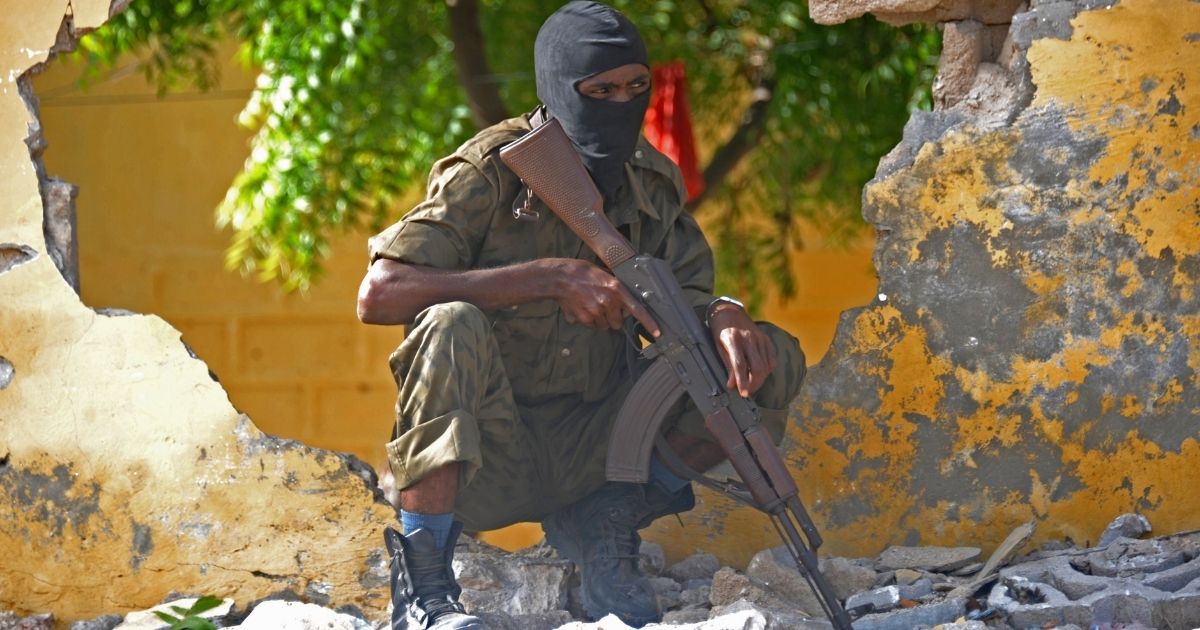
(453, 316)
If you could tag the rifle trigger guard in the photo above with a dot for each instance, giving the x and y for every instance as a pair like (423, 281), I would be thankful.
(632, 439)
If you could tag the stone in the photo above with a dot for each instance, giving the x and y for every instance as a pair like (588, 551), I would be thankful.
(287, 615)
(877, 600)
(729, 586)
(904, 577)
(918, 617)
(776, 569)
(941, 559)
(651, 558)
(512, 584)
(147, 620)
(699, 565)
(685, 616)
(1124, 526)
(696, 597)
(668, 591)
(10, 621)
(539, 621)
(846, 576)
(962, 625)
(744, 614)
(103, 622)
(1008, 549)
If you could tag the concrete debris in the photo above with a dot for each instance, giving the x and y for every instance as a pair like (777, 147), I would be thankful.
(941, 559)
(1127, 584)
(10, 621)
(281, 615)
(1124, 526)
(696, 566)
(103, 622)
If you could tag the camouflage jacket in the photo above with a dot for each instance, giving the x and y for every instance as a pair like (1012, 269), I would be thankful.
(466, 222)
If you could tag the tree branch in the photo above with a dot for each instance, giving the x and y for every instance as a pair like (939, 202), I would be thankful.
(744, 138)
(474, 73)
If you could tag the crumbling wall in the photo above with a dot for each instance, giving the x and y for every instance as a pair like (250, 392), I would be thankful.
(124, 471)
(1034, 347)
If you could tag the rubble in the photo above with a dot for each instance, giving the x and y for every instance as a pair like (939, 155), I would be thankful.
(1127, 583)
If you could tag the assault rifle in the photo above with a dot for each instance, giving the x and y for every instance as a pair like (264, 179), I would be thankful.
(685, 360)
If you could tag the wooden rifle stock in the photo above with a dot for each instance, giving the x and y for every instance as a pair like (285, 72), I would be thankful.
(685, 361)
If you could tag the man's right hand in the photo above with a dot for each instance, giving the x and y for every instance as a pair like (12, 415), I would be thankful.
(593, 297)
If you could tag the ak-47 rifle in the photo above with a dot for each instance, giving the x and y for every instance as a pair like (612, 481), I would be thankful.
(684, 359)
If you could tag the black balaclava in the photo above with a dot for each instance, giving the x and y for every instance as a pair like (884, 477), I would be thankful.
(578, 41)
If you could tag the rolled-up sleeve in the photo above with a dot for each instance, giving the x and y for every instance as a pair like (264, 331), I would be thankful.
(447, 229)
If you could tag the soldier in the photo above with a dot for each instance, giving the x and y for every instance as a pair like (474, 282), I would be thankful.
(519, 353)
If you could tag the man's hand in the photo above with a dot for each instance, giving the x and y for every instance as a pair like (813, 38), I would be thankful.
(746, 350)
(594, 297)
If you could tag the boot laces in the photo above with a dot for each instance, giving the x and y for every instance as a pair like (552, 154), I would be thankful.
(436, 593)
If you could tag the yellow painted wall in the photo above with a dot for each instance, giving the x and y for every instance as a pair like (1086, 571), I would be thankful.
(150, 173)
(125, 474)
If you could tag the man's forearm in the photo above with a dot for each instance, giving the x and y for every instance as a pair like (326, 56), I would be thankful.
(394, 293)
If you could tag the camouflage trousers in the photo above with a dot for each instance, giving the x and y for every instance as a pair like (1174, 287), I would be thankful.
(520, 462)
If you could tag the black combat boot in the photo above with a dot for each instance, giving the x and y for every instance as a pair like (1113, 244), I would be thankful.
(424, 593)
(599, 534)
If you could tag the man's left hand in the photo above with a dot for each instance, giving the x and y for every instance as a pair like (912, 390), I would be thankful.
(747, 351)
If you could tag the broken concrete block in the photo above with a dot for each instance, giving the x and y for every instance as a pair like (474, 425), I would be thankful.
(919, 617)
(846, 576)
(696, 566)
(540, 621)
(667, 590)
(940, 559)
(281, 615)
(776, 569)
(747, 615)
(730, 586)
(685, 616)
(10, 621)
(1124, 526)
(651, 558)
(103, 622)
(877, 600)
(512, 584)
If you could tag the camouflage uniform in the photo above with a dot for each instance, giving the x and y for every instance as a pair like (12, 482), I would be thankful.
(522, 398)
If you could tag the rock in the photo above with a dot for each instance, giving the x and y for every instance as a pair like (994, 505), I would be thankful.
(970, 569)
(847, 577)
(540, 621)
(919, 617)
(730, 586)
(10, 621)
(877, 600)
(695, 597)
(147, 620)
(904, 577)
(667, 590)
(962, 625)
(106, 622)
(776, 569)
(1124, 526)
(1007, 549)
(512, 584)
(651, 558)
(281, 615)
(609, 622)
(698, 583)
(746, 615)
(940, 559)
(685, 616)
(699, 565)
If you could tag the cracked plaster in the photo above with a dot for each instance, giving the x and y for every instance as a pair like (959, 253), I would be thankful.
(128, 473)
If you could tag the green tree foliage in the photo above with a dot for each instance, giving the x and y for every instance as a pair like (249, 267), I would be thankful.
(357, 98)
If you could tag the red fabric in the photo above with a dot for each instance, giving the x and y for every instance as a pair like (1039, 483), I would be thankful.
(668, 123)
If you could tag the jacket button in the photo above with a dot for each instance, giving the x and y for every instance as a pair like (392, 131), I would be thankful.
(566, 352)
